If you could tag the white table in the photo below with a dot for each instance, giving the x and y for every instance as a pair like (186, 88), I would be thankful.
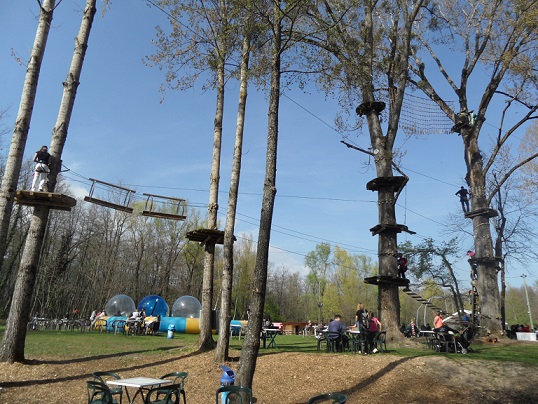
(238, 328)
(139, 383)
(270, 333)
(526, 336)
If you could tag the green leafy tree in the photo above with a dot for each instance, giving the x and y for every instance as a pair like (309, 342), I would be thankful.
(494, 46)
(435, 261)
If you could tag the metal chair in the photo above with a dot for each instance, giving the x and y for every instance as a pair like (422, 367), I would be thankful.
(334, 398)
(234, 394)
(99, 393)
(102, 377)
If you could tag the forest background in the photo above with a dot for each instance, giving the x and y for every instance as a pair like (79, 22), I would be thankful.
(103, 252)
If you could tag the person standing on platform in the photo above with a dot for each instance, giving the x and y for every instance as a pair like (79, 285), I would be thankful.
(42, 160)
(464, 199)
(402, 265)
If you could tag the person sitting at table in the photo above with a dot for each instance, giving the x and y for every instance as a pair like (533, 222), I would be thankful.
(438, 320)
(267, 323)
(337, 330)
(97, 317)
(464, 338)
(308, 328)
(156, 324)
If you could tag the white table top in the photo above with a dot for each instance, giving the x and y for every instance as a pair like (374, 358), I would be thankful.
(138, 382)
(271, 330)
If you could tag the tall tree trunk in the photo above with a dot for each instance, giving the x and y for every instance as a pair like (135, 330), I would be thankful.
(221, 354)
(12, 349)
(205, 339)
(251, 343)
(22, 124)
(487, 285)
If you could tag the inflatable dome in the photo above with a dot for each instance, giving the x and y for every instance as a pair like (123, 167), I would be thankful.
(120, 305)
(186, 306)
(154, 305)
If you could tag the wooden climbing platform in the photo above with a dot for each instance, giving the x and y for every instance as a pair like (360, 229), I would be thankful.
(49, 199)
(386, 280)
(205, 236)
(121, 194)
(154, 203)
(394, 228)
(395, 182)
(366, 107)
(488, 212)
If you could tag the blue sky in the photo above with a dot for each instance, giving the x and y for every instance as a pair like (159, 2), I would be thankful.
(121, 133)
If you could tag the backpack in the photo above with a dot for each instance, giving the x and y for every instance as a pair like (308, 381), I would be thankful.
(364, 322)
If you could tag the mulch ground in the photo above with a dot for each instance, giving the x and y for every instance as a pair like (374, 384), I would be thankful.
(289, 377)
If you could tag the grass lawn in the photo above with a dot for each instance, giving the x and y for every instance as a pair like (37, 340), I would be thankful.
(68, 344)
(62, 361)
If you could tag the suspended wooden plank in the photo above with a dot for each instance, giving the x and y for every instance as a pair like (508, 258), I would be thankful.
(50, 199)
(152, 211)
(125, 194)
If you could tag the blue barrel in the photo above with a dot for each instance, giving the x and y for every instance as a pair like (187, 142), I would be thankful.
(171, 331)
(227, 379)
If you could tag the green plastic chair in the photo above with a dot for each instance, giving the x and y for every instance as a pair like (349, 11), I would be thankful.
(360, 343)
(102, 377)
(169, 394)
(99, 393)
(235, 395)
(178, 378)
(334, 398)
(381, 341)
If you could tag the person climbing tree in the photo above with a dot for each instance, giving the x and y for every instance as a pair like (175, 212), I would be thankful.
(464, 199)
(402, 265)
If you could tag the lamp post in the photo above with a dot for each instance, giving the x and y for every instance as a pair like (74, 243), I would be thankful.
(320, 304)
(418, 310)
(528, 304)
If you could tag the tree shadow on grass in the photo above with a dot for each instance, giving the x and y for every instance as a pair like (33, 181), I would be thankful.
(95, 357)
(26, 383)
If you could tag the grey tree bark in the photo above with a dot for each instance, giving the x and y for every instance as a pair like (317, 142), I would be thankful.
(12, 349)
(221, 353)
(251, 343)
(205, 340)
(22, 124)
